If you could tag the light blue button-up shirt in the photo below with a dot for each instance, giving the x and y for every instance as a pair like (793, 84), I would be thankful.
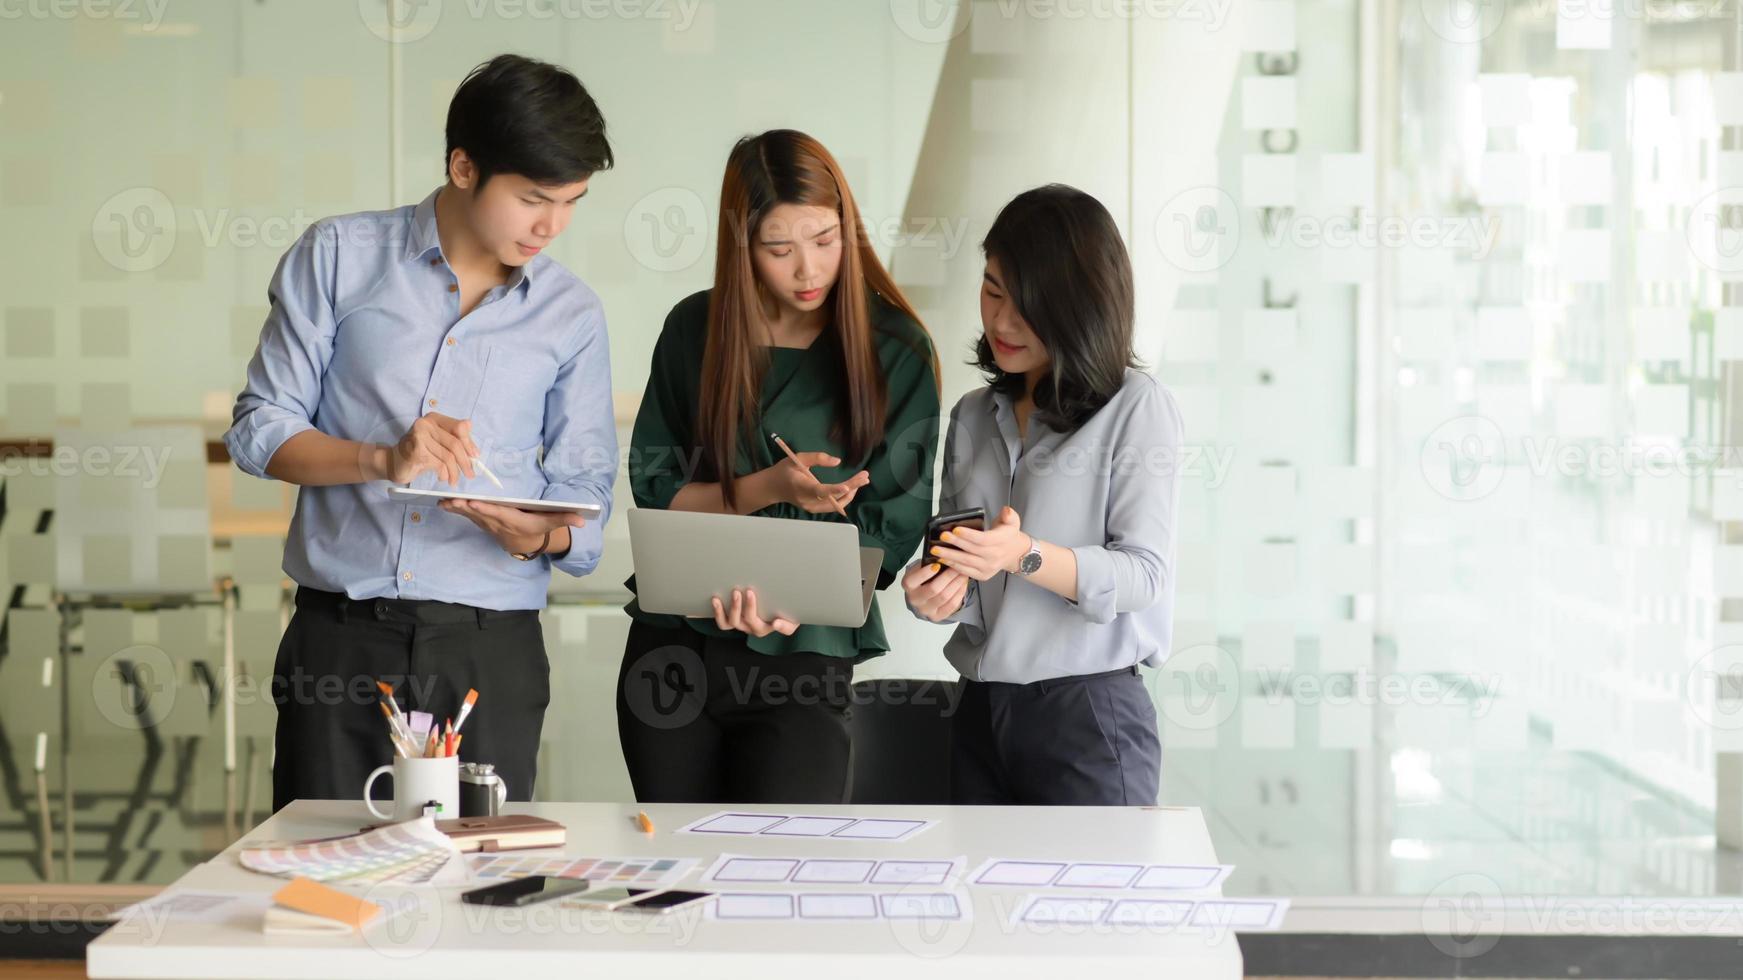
(1110, 492)
(365, 335)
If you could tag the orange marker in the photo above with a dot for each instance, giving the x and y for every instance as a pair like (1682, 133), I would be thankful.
(642, 821)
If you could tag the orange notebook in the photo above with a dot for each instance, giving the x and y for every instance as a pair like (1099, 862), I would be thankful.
(309, 906)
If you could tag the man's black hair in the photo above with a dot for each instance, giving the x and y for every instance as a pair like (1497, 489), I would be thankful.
(515, 115)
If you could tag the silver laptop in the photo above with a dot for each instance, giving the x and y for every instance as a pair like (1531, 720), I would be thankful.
(811, 572)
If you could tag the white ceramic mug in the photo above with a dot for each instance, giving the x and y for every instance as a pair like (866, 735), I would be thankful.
(415, 783)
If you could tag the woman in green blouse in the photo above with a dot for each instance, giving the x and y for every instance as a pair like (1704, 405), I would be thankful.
(804, 335)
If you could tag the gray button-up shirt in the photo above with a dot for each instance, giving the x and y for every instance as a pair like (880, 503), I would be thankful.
(1109, 492)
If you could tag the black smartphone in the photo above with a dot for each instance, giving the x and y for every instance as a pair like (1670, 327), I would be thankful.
(667, 901)
(974, 517)
(526, 891)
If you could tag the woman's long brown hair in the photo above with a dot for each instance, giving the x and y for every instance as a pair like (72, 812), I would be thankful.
(778, 167)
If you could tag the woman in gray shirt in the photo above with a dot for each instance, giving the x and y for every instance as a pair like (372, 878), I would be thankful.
(1074, 454)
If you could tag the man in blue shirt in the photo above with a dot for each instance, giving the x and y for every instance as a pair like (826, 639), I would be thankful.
(401, 347)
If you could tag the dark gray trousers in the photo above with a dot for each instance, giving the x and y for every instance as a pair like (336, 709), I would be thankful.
(1087, 741)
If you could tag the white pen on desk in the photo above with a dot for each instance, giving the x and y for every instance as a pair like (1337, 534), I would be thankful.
(486, 471)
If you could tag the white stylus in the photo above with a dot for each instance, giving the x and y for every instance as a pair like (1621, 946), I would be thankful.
(486, 471)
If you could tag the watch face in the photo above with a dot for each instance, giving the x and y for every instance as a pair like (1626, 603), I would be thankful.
(1030, 564)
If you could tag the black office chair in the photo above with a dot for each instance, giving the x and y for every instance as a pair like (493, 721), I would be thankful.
(901, 740)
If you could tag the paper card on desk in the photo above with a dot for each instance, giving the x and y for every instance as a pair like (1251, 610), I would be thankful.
(746, 869)
(882, 829)
(941, 905)
(1241, 915)
(834, 871)
(837, 906)
(1090, 874)
(191, 906)
(1061, 909)
(323, 904)
(1184, 877)
(1237, 915)
(1161, 912)
(1099, 876)
(809, 826)
(770, 905)
(627, 872)
(738, 869)
(1000, 872)
(833, 905)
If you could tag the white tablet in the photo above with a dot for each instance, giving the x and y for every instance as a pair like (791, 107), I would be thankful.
(406, 495)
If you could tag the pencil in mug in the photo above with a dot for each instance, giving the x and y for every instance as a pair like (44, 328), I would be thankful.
(782, 443)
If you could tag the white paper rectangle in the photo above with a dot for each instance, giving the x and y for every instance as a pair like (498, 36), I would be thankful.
(733, 823)
(1099, 876)
(745, 870)
(912, 872)
(194, 906)
(882, 829)
(828, 871)
(827, 905)
(1149, 912)
(939, 905)
(1184, 877)
(806, 826)
(809, 826)
(753, 905)
(996, 872)
(1245, 915)
(1061, 909)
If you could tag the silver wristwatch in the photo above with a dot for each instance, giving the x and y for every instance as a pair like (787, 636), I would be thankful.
(1030, 563)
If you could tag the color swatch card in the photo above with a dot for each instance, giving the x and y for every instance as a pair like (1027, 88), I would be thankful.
(627, 872)
(1090, 874)
(195, 906)
(1237, 915)
(733, 824)
(837, 906)
(410, 852)
(735, 869)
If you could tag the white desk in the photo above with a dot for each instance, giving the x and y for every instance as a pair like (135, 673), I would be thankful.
(449, 939)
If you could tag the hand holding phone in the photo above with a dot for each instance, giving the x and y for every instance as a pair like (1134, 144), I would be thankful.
(972, 517)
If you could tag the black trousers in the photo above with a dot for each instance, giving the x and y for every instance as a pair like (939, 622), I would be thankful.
(706, 719)
(1088, 741)
(330, 732)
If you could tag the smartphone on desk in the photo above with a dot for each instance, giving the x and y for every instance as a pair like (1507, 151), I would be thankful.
(660, 903)
(526, 891)
(974, 517)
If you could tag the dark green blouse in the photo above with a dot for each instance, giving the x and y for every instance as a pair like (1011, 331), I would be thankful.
(799, 401)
